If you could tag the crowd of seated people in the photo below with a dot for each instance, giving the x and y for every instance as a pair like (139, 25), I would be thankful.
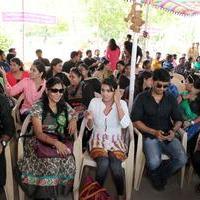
(97, 89)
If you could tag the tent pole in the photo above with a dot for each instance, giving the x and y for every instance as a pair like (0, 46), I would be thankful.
(146, 25)
(23, 30)
(133, 64)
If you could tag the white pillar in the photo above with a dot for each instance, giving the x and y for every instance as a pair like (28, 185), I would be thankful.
(132, 77)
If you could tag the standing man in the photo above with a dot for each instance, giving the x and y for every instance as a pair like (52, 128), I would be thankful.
(153, 112)
(6, 132)
(45, 61)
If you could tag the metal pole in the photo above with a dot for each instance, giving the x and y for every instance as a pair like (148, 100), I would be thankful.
(133, 64)
(23, 38)
(146, 25)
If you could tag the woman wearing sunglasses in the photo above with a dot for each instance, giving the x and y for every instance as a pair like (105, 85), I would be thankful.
(48, 167)
(107, 116)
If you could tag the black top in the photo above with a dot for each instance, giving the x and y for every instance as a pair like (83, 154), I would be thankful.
(155, 115)
(68, 65)
(94, 83)
(89, 61)
(6, 121)
(45, 61)
(124, 81)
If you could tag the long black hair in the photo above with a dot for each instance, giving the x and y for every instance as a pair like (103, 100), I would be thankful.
(18, 62)
(49, 84)
(112, 45)
(140, 81)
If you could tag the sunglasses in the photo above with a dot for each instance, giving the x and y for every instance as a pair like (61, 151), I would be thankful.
(56, 90)
(159, 85)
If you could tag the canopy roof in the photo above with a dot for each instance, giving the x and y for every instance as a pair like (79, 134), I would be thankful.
(179, 7)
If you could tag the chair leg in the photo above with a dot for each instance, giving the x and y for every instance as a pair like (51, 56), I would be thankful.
(9, 187)
(190, 173)
(182, 176)
(139, 168)
(129, 181)
(75, 195)
(21, 194)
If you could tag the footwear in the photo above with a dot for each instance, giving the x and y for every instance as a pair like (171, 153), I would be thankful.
(197, 188)
(156, 180)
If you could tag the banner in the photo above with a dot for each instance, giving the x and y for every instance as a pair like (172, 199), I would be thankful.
(28, 17)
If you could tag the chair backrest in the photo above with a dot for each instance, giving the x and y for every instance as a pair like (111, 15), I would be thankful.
(16, 112)
(21, 138)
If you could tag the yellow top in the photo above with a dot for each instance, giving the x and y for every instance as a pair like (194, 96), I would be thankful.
(156, 64)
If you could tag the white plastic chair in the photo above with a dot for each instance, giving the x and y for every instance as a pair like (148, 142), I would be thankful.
(140, 158)
(9, 187)
(16, 113)
(75, 151)
(128, 164)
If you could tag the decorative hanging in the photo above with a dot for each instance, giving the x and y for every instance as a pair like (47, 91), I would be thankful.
(135, 17)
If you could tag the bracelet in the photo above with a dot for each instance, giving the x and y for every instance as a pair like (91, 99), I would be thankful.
(192, 122)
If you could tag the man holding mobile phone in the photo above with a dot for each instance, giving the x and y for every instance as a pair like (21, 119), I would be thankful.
(152, 113)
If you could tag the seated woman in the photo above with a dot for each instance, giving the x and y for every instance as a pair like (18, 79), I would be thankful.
(94, 82)
(78, 93)
(189, 104)
(31, 87)
(16, 72)
(49, 174)
(56, 70)
(107, 116)
(124, 79)
(103, 71)
(197, 64)
(119, 70)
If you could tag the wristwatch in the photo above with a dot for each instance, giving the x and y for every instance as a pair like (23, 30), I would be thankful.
(4, 143)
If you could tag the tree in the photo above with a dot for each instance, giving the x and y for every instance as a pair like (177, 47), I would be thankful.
(5, 42)
(107, 16)
(46, 31)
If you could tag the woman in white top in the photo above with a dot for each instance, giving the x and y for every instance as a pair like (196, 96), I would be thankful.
(107, 116)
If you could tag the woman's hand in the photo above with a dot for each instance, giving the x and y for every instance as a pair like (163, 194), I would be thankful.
(72, 126)
(117, 95)
(62, 149)
(186, 124)
(88, 115)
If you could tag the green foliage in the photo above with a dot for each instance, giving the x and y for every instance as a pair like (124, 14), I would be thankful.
(5, 42)
(46, 31)
(107, 17)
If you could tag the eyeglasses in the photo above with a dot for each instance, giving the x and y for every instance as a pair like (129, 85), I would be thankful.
(54, 90)
(159, 85)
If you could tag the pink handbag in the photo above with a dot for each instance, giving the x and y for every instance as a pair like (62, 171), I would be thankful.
(44, 150)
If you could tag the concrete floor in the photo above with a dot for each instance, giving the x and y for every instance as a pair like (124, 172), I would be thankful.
(146, 192)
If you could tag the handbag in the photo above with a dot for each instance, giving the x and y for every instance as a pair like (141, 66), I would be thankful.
(44, 150)
(92, 190)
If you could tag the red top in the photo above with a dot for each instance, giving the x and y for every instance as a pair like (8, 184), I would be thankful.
(12, 80)
(113, 57)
